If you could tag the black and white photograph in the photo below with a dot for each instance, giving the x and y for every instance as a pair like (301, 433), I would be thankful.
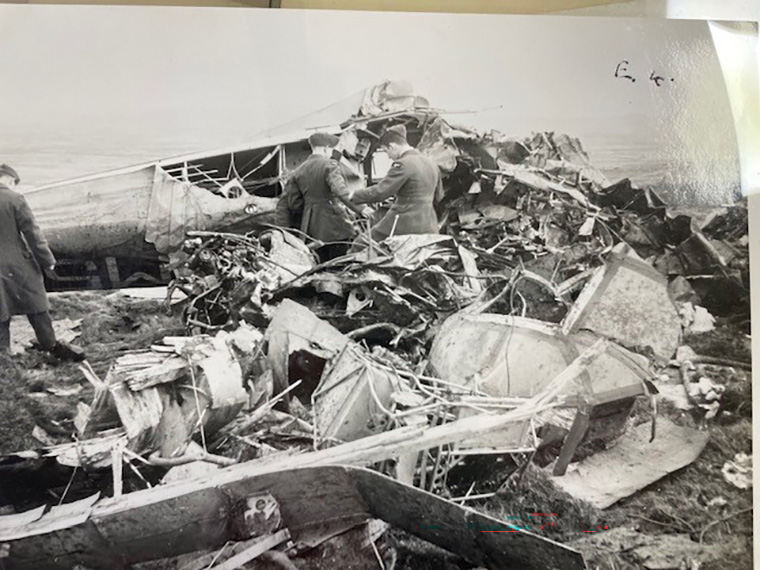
(333, 290)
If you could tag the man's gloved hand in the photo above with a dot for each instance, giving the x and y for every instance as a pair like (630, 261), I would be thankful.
(367, 212)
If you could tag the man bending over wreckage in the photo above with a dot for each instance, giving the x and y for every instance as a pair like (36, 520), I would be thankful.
(414, 180)
(318, 188)
(23, 252)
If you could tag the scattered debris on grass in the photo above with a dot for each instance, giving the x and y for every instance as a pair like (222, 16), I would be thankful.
(568, 356)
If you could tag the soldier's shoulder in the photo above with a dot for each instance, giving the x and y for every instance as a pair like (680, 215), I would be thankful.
(402, 163)
(8, 195)
(323, 162)
(319, 159)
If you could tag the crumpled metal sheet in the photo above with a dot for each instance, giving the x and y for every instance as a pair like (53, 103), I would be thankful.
(177, 207)
(632, 464)
(390, 96)
(509, 356)
(628, 301)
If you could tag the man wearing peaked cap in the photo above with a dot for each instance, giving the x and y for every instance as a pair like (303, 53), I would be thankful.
(6, 170)
(318, 189)
(323, 140)
(395, 134)
(23, 252)
(414, 180)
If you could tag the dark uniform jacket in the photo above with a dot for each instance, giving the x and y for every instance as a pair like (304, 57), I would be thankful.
(318, 189)
(415, 181)
(23, 252)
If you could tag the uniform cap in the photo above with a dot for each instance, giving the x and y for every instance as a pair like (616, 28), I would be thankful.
(396, 133)
(5, 169)
(323, 139)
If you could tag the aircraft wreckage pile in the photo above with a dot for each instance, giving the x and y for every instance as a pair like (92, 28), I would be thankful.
(309, 400)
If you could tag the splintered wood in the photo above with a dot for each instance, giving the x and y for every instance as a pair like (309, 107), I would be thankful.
(162, 397)
(146, 369)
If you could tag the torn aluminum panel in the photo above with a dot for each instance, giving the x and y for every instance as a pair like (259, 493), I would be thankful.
(295, 333)
(390, 97)
(123, 211)
(353, 398)
(627, 300)
(289, 254)
(177, 207)
(518, 437)
(635, 462)
(507, 356)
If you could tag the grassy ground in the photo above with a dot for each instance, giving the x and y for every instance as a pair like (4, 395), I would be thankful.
(111, 324)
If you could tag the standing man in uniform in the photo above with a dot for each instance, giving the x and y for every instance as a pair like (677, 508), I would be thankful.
(414, 180)
(319, 190)
(23, 255)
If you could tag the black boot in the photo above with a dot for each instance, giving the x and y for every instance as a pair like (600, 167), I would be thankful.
(65, 351)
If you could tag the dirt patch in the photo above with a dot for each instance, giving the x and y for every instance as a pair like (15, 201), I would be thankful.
(689, 501)
(16, 422)
(722, 342)
(111, 324)
(416, 554)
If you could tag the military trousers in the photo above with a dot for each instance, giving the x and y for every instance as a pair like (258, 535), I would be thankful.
(43, 328)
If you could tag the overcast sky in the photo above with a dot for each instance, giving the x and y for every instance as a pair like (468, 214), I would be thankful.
(99, 75)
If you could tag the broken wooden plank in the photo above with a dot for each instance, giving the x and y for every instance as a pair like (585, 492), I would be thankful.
(206, 375)
(100, 414)
(92, 453)
(315, 503)
(31, 523)
(139, 524)
(117, 460)
(140, 412)
(633, 463)
(534, 180)
(256, 548)
(9, 524)
(160, 368)
(476, 537)
(515, 438)
(573, 440)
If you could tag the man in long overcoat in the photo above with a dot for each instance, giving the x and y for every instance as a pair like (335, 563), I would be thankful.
(23, 255)
(318, 189)
(414, 180)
